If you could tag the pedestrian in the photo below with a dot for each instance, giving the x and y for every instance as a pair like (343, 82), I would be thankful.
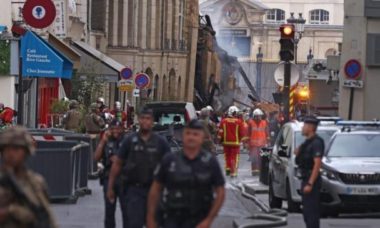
(106, 152)
(309, 159)
(23, 194)
(210, 130)
(258, 132)
(274, 126)
(231, 134)
(119, 114)
(189, 184)
(141, 152)
(73, 118)
(93, 122)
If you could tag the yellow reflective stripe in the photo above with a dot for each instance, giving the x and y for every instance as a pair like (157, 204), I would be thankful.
(237, 134)
(231, 143)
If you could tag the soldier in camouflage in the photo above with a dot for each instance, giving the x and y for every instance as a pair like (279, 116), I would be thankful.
(73, 118)
(23, 198)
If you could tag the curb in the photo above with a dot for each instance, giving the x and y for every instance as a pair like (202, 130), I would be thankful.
(253, 190)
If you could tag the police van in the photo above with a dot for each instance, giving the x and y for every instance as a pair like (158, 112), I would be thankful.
(284, 185)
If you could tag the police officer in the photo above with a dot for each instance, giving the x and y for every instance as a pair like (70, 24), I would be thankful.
(23, 198)
(309, 159)
(190, 185)
(106, 152)
(141, 152)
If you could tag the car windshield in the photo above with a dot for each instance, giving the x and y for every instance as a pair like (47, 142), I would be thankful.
(355, 145)
(324, 134)
(162, 120)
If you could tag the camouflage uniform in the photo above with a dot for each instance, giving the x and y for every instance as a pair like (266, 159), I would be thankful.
(73, 117)
(93, 122)
(24, 195)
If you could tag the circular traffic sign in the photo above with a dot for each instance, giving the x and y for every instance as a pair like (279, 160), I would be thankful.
(39, 13)
(142, 80)
(126, 73)
(352, 69)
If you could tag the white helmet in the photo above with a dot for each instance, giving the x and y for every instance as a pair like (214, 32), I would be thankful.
(209, 108)
(117, 105)
(100, 100)
(258, 112)
(233, 110)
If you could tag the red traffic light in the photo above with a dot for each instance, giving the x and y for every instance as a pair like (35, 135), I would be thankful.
(287, 31)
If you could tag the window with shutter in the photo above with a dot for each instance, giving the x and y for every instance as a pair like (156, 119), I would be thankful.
(373, 50)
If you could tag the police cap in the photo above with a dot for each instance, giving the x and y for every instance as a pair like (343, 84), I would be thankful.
(17, 136)
(311, 120)
(195, 124)
(146, 111)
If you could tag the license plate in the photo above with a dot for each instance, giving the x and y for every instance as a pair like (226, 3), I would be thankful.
(362, 191)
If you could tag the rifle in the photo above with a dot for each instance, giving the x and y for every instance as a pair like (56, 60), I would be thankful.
(40, 213)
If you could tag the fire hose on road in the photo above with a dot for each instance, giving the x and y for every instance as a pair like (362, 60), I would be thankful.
(269, 217)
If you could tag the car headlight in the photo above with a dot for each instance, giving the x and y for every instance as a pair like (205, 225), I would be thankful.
(329, 174)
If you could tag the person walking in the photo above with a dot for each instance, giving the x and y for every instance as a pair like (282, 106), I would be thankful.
(231, 134)
(189, 184)
(24, 201)
(93, 122)
(106, 152)
(140, 153)
(73, 118)
(258, 132)
(210, 130)
(119, 114)
(309, 160)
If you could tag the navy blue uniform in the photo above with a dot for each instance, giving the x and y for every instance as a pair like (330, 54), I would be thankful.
(141, 159)
(189, 185)
(310, 149)
(110, 149)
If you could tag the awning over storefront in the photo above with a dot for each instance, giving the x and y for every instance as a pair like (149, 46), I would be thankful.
(65, 49)
(93, 62)
(40, 59)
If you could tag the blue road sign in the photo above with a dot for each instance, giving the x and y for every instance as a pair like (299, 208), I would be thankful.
(352, 69)
(142, 80)
(126, 73)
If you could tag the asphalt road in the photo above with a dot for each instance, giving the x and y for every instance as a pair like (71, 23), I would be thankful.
(89, 210)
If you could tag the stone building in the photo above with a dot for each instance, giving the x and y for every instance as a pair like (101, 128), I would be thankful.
(243, 27)
(157, 37)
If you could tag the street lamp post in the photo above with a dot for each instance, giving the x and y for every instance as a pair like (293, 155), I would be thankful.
(299, 24)
(259, 63)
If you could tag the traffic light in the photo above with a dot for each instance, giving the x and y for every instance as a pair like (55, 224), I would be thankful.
(287, 42)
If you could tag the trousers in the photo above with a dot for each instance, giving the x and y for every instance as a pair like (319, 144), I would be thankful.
(231, 156)
(110, 208)
(137, 206)
(182, 221)
(311, 204)
(254, 157)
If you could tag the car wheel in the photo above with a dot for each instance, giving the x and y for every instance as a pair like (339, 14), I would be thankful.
(293, 207)
(274, 202)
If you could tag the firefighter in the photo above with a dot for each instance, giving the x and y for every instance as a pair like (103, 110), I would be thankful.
(119, 114)
(258, 132)
(231, 133)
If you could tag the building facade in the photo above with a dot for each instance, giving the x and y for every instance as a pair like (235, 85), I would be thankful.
(159, 38)
(362, 43)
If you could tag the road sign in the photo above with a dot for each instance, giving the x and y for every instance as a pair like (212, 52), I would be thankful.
(126, 73)
(136, 93)
(142, 80)
(353, 84)
(352, 69)
(279, 74)
(125, 85)
(39, 14)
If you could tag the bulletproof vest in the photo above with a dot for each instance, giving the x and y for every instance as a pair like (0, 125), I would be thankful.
(305, 159)
(111, 148)
(142, 160)
(189, 190)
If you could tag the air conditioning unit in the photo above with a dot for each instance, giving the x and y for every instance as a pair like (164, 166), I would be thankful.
(317, 70)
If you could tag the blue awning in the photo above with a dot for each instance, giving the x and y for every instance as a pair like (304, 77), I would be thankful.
(40, 59)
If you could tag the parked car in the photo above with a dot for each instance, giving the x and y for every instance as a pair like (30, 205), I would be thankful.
(284, 185)
(351, 168)
(170, 117)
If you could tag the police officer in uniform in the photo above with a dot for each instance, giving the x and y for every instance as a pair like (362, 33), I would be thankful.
(106, 152)
(24, 201)
(189, 186)
(309, 159)
(141, 152)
